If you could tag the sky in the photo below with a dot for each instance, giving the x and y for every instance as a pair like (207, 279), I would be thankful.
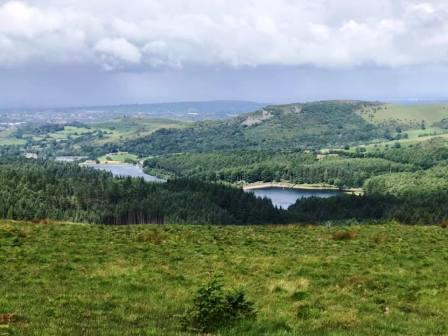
(94, 52)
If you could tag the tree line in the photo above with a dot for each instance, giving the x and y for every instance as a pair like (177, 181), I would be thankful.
(273, 166)
(33, 190)
(37, 189)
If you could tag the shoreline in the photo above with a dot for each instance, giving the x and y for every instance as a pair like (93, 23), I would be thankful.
(250, 186)
(110, 163)
(262, 185)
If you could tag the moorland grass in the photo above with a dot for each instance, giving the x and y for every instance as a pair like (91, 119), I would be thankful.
(75, 279)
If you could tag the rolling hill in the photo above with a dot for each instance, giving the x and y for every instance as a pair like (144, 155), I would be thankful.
(301, 126)
(316, 125)
(305, 126)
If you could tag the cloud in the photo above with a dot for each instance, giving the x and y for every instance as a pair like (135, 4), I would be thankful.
(114, 52)
(147, 34)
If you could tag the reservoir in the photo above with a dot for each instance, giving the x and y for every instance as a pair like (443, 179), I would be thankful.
(281, 197)
(124, 170)
(284, 197)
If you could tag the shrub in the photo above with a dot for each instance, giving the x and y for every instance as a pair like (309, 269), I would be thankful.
(300, 295)
(345, 235)
(213, 308)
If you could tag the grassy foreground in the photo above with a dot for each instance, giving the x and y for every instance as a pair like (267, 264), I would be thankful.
(74, 279)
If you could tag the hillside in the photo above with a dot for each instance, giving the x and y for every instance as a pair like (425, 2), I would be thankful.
(383, 280)
(306, 126)
(81, 139)
(408, 116)
(309, 125)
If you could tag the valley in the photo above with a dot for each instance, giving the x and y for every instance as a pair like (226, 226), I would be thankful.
(223, 168)
(355, 146)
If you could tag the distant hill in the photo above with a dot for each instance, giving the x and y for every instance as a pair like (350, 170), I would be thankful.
(205, 110)
(154, 129)
(307, 126)
(186, 111)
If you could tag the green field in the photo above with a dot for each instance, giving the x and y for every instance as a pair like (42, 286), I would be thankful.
(96, 134)
(132, 128)
(117, 129)
(11, 141)
(7, 138)
(415, 113)
(74, 279)
(121, 157)
(415, 136)
(69, 131)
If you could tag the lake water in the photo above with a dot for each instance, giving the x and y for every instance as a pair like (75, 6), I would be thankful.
(284, 197)
(125, 170)
(281, 197)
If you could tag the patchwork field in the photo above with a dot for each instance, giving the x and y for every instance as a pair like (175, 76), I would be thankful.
(6, 138)
(132, 128)
(74, 279)
(97, 133)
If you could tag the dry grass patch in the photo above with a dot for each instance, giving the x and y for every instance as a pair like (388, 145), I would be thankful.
(340, 318)
(380, 239)
(356, 280)
(345, 235)
(6, 319)
(155, 237)
(444, 224)
(292, 287)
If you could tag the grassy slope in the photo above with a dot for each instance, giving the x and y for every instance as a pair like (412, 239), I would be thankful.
(430, 113)
(132, 128)
(409, 116)
(413, 139)
(94, 280)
